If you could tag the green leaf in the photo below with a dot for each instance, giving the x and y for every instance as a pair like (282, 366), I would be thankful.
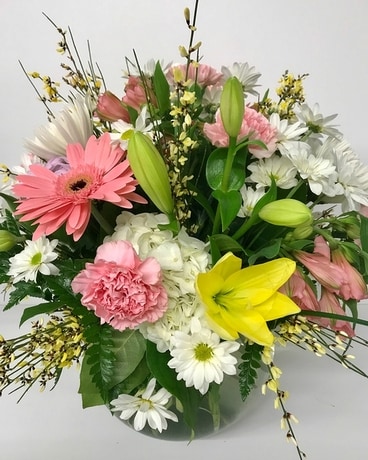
(230, 203)
(22, 290)
(215, 169)
(333, 316)
(42, 308)
(167, 378)
(129, 348)
(224, 243)
(133, 382)
(162, 89)
(251, 362)
(364, 233)
(91, 395)
(268, 252)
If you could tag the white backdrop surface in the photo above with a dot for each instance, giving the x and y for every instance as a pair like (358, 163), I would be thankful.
(327, 39)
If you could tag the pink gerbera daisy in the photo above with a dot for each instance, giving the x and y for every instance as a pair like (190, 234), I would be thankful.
(98, 172)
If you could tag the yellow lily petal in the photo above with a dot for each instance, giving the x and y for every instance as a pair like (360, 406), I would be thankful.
(241, 301)
(270, 275)
(252, 325)
(277, 306)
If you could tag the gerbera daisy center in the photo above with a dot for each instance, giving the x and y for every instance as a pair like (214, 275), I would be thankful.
(203, 352)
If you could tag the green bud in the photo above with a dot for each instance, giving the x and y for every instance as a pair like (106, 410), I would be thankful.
(302, 231)
(150, 171)
(232, 106)
(7, 240)
(287, 213)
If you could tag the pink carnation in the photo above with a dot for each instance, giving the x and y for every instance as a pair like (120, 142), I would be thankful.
(123, 290)
(204, 75)
(255, 127)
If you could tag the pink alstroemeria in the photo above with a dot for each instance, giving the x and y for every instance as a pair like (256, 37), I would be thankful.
(98, 172)
(329, 303)
(123, 290)
(300, 292)
(354, 286)
(255, 126)
(322, 269)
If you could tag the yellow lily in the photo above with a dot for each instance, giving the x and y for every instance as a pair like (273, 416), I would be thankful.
(241, 301)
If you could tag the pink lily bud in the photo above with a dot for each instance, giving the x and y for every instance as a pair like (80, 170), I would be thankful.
(111, 108)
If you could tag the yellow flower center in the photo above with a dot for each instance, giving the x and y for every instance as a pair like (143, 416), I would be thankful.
(36, 259)
(203, 352)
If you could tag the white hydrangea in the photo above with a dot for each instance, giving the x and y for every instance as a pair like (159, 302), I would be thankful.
(181, 257)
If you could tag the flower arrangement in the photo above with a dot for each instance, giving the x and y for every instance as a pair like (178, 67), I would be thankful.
(177, 234)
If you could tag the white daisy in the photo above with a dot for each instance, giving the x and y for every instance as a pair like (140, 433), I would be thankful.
(280, 169)
(201, 358)
(352, 174)
(35, 257)
(316, 122)
(247, 75)
(72, 125)
(123, 130)
(318, 171)
(147, 407)
(286, 131)
(250, 199)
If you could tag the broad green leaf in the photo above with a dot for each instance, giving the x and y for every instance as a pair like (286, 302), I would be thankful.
(225, 243)
(268, 252)
(133, 382)
(230, 203)
(216, 165)
(91, 395)
(162, 89)
(129, 348)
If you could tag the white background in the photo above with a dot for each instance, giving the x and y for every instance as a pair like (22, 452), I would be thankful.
(327, 39)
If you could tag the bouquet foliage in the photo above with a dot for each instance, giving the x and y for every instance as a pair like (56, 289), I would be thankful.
(177, 233)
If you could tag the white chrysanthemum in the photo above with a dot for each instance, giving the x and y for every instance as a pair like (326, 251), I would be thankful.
(316, 122)
(72, 125)
(121, 130)
(280, 169)
(147, 407)
(35, 257)
(247, 75)
(250, 198)
(286, 131)
(352, 175)
(212, 96)
(181, 258)
(201, 358)
(318, 171)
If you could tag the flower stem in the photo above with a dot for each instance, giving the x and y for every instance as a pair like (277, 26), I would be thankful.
(104, 224)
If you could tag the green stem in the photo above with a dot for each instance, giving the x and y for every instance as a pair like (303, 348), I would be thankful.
(225, 181)
(104, 224)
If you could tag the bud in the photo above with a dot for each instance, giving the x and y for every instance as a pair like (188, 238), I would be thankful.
(8, 240)
(286, 212)
(150, 171)
(110, 108)
(232, 106)
(302, 231)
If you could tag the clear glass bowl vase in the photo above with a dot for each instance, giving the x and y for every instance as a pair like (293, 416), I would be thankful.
(232, 410)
